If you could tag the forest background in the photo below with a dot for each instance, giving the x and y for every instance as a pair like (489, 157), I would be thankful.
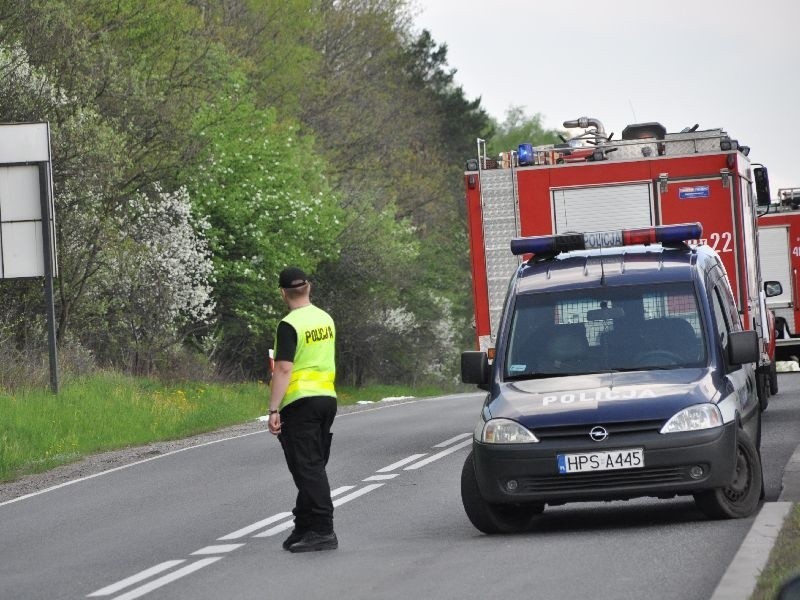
(199, 146)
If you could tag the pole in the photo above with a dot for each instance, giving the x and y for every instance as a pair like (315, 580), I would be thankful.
(47, 248)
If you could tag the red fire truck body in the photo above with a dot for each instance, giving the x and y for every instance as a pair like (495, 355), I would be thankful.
(779, 252)
(692, 176)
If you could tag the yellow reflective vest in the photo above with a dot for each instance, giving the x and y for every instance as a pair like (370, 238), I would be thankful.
(314, 367)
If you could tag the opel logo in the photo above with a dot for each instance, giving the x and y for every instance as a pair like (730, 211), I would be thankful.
(598, 434)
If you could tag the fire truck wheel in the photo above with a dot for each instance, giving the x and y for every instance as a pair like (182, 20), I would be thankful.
(493, 518)
(762, 390)
(773, 378)
(741, 496)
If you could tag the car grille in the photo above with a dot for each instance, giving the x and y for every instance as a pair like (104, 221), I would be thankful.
(603, 480)
(581, 432)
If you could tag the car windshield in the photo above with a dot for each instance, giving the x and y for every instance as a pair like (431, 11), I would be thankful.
(624, 328)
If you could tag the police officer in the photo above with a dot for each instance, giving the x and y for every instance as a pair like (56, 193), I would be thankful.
(302, 407)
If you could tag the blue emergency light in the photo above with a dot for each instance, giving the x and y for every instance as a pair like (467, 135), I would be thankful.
(525, 154)
(564, 242)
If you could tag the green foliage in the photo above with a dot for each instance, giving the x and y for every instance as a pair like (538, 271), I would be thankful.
(519, 128)
(321, 133)
(263, 191)
(39, 431)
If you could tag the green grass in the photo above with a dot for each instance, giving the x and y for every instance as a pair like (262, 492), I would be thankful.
(39, 431)
(784, 560)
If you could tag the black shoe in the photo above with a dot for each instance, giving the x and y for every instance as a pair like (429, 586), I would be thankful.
(312, 541)
(294, 537)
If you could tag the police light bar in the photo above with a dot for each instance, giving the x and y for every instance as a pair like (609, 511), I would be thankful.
(564, 242)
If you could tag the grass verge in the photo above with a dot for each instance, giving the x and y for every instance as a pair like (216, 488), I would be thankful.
(784, 560)
(39, 431)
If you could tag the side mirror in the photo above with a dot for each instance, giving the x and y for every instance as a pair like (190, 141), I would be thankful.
(475, 368)
(743, 347)
(762, 186)
(772, 289)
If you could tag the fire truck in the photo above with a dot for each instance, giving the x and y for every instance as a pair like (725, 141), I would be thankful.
(594, 182)
(779, 252)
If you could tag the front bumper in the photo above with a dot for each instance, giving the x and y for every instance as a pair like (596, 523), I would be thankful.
(667, 459)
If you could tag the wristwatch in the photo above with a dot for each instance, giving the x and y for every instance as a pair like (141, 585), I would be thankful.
(272, 412)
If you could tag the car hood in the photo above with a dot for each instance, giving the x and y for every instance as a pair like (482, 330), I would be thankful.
(603, 397)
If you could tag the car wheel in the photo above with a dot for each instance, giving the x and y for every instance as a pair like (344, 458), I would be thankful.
(741, 496)
(773, 378)
(493, 518)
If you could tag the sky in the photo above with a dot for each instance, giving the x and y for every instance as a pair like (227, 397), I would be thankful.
(727, 64)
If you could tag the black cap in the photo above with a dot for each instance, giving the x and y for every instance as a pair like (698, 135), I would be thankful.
(292, 277)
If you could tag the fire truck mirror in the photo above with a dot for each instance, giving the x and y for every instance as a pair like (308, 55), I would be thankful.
(762, 185)
(772, 289)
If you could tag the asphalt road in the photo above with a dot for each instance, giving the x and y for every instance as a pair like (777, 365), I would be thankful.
(206, 524)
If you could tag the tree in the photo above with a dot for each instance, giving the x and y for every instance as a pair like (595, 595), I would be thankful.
(520, 128)
(263, 190)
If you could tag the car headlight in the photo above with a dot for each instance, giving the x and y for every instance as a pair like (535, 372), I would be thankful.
(506, 431)
(694, 418)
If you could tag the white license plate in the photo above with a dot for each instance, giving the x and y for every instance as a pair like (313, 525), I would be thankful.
(630, 458)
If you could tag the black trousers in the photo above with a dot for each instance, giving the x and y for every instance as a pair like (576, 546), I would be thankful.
(306, 440)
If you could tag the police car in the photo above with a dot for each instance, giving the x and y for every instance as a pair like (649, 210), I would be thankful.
(621, 370)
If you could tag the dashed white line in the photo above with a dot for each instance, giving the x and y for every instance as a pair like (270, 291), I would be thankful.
(400, 463)
(218, 549)
(140, 576)
(382, 477)
(276, 529)
(341, 490)
(244, 531)
(169, 578)
(453, 440)
(359, 492)
(383, 474)
(438, 455)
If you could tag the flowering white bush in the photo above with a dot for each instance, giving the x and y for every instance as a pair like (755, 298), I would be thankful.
(176, 263)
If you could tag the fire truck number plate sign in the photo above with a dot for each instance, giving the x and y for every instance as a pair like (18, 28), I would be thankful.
(631, 458)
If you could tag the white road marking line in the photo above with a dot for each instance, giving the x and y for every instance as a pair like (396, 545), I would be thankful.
(133, 464)
(351, 496)
(383, 477)
(234, 437)
(387, 405)
(341, 490)
(218, 549)
(400, 463)
(140, 576)
(276, 529)
(452, 440)
(240, 533)
(438, 455)
(360, 492)
(162, 581)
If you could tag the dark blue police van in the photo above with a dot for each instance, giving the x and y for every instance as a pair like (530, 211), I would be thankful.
(621, 370)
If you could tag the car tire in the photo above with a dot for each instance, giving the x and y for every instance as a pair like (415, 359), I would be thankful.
(493, 518)
(741, 496)
(773, 378)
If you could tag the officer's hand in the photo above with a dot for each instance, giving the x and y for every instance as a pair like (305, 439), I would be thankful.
(274, 423)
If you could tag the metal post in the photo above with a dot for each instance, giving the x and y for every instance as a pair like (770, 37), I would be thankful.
(47, 247)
